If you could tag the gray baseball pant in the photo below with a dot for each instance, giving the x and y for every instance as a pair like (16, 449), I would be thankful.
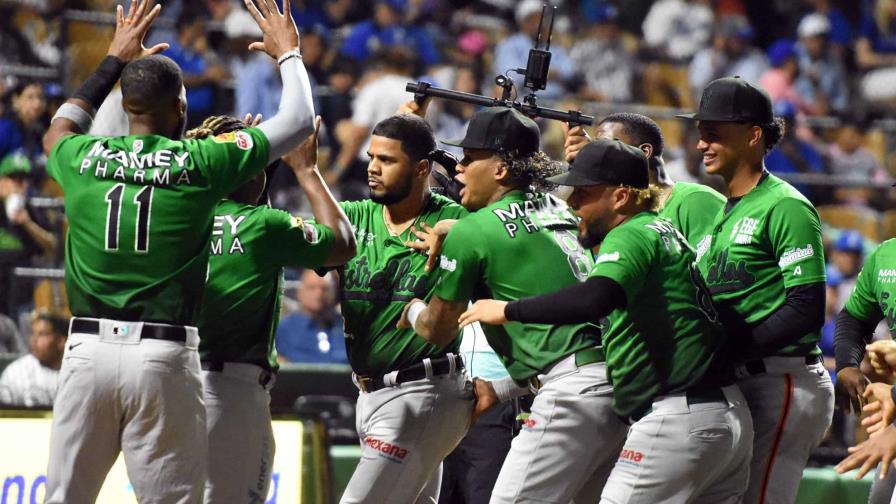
(406, 431)
(685, 452)
(240, 436)
(568, 444)
(120, 393)
(792, 405)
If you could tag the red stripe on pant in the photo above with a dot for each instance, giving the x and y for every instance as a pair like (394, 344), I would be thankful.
(785, 411)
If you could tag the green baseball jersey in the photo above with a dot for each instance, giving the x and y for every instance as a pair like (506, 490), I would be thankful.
(666, 337)
(250, 245)
(768, 242)
(140, 212)
(874, 296)
(376, 285)
(525, 244)
(692, 208)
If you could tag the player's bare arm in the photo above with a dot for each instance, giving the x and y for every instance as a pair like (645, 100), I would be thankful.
(436, 323)
(76, 115)
(431, 239)
(303, 162)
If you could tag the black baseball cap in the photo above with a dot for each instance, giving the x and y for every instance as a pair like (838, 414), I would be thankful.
(606, 162)
(500, 129)
(732, 99)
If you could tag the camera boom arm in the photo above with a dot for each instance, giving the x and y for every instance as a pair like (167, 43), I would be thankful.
(423, 89)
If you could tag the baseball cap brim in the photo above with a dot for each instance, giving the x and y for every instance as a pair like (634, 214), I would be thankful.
(574, 179)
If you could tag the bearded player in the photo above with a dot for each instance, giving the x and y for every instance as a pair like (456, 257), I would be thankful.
(520, 241)
(140, 210)
(692, 208)
(765, 269)
(415, 400)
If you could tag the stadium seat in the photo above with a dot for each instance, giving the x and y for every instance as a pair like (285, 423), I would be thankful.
(862, 219)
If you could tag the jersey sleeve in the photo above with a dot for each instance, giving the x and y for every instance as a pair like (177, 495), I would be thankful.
(794, 232)
(295, 242)
(230, 159)
(462, 264)
(68, 148)
(862, 303)
(625, 257)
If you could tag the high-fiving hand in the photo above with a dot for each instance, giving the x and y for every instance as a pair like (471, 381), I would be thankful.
(279, 29)
(304, 157)
(130, 30)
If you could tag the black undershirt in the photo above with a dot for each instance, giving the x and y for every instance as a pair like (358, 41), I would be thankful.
(850, 337)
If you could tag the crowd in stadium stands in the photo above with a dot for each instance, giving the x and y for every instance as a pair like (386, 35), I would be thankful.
(828, 59)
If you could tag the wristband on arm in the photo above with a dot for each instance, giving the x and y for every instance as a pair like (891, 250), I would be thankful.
(96, 88)
(506, 389)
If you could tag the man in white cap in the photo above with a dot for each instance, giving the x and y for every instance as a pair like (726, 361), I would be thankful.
(819, 63)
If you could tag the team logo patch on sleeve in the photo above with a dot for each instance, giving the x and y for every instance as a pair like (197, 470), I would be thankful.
(447, 264)
(242, 139)
(608, 257)
(795, 255)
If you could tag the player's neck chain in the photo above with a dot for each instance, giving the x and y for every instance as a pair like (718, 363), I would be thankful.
(398, 230)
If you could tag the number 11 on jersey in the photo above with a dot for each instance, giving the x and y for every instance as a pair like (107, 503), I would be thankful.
(143, 200)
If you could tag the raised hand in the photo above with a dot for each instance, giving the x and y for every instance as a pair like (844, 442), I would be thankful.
(487, 311)
(304, 157)
(279, 29)
(252, 122)
(130, 30)
(576, 139)
(414, 108)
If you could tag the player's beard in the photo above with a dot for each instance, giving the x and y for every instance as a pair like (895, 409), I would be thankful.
(389, 197)
(595, 232)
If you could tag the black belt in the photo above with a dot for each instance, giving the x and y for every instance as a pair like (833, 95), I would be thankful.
(150, 330)
(693, 396)
(216, 366)
(757, 367)
(440, 366)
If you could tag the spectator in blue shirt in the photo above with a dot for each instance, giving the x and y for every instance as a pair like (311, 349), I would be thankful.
(842, 32)
(22, 127)
(793, 155)
(387, 29)
(199, 65)
(315, 333)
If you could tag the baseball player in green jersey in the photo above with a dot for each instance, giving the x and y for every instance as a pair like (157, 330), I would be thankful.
(519, 241)
(871, 301)
(415, 399)
(141, 212)
(250, 246)
(765, 269)
(691, 207)
(690, 432)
